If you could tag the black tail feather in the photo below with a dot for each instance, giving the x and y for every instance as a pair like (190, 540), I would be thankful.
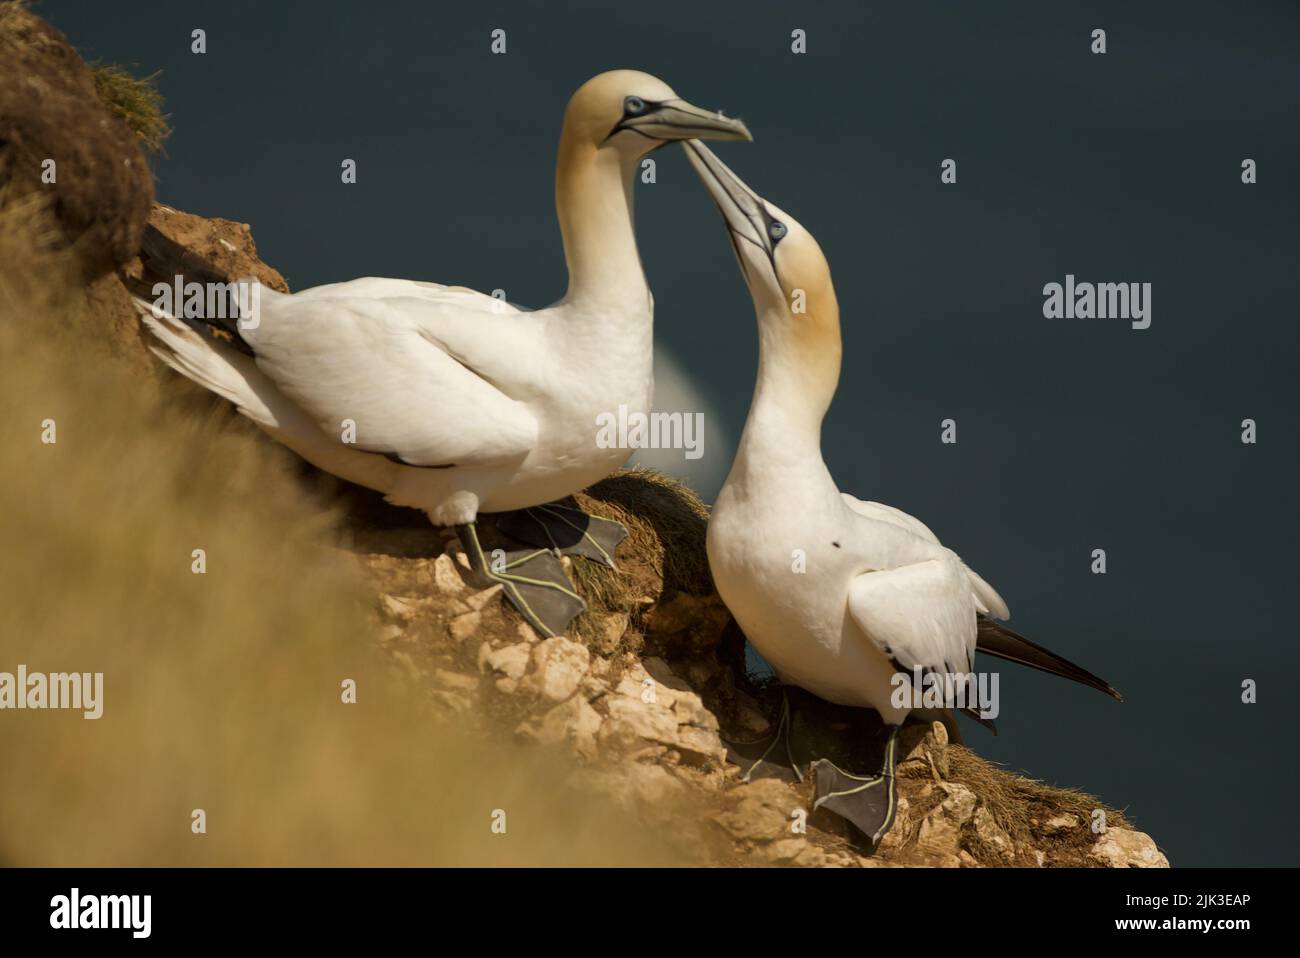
(996, 639)
(163, 259)
(973, 713)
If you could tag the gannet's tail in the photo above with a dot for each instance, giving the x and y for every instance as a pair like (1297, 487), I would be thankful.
(162, 258)
(211, 352)
(208, 350)
(996, 639)
(213, 365)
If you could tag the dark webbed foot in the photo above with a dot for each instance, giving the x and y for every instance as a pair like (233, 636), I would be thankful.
(867, 802)
(815, 736)
(565, 531)
(769, 757)
(533, 580)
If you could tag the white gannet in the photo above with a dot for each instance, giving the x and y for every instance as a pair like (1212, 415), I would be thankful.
(878, 594)
(458, 403)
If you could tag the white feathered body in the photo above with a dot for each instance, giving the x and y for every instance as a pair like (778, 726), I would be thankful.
(488, 407)
(831, 590)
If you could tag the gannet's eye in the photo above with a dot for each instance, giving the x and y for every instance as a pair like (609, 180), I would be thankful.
(634, 106)
(776, 229)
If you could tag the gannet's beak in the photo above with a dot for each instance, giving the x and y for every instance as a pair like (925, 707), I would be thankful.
(742, 209)
(679, 120)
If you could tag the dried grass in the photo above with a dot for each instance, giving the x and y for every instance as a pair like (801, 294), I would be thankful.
(135, 100)
(663, 553)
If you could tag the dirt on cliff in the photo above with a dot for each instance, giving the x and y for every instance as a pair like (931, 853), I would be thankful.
(62, 139)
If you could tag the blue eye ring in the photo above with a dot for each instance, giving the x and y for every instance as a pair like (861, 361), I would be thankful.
(633, 105)
(777, 230)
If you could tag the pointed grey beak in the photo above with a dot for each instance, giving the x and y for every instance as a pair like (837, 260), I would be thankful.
(743, 210)
(679, 120)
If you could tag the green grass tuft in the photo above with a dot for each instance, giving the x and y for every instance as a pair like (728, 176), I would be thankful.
(136, 100)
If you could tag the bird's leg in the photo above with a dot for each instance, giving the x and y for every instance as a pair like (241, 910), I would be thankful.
(868, 803)
(533, 581)
(565, 531)
(770, 757)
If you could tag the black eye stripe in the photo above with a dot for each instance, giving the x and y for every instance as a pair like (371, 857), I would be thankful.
(625, 123)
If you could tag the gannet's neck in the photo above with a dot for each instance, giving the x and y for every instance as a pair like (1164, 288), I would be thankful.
(593, 198)
(798, 370)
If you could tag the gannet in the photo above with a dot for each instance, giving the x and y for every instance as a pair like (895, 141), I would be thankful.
(460, 404)
(838, 594)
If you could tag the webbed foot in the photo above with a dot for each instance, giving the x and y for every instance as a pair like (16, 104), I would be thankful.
(812, 736)
(534, 582)
(866, 802)
(565, 531)
(770, 757)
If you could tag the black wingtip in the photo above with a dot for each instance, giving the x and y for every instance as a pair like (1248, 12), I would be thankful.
(973, 713)
(162, 258)
(996, 639)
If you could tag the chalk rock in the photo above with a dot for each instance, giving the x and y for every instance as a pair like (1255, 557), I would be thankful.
(511, 661)
(573, 721)
(445, 577)
(940, 831)
(661, 708)
(558, 667)
(397, 608)
(924, 750)
(1125, 848)
(989, 837)
(465, 626)
(763, 812)
(1057, 824)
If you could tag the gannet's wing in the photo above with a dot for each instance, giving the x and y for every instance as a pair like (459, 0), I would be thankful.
(498, 340)
(878, 510)
(920, 615)
(366, 362)
(381, 287)
(987, 597)
(991, 637)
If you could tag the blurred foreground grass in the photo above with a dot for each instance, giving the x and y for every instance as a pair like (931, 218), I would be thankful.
(221, 690)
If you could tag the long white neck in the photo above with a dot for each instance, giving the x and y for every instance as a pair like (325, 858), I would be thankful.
(798, 370)
(593, 199)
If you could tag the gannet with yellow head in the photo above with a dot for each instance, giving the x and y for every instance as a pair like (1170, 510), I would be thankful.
(839, 595)
(448, 400)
